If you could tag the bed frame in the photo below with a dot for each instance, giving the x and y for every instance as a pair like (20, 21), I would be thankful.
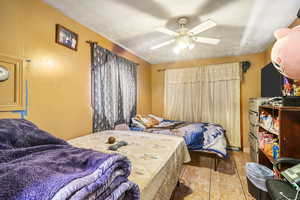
(209, 154)
(213, 155)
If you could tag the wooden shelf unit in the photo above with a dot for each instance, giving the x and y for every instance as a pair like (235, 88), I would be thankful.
(288, 134)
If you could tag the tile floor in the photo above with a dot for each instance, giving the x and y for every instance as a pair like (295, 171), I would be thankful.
(199, 181)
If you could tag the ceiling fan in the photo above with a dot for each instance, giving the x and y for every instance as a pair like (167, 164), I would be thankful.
(186, 38)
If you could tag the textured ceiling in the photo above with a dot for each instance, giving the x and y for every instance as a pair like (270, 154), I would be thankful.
(244, 26)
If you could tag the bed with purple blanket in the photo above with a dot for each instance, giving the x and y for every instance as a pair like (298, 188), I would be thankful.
(34, 165)
(208, 137)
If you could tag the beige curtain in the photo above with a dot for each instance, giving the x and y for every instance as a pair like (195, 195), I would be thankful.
(205, 94)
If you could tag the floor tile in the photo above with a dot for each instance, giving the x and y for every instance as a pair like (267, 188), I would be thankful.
(199, 181)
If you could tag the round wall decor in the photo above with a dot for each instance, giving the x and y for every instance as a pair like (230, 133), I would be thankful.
(4, 74)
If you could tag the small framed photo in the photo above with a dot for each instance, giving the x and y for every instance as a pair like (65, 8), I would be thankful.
(66, 37)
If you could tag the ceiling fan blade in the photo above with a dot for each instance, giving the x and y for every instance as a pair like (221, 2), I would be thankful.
(206, 40)
(202, 27)
(166, 31)
(162, 44)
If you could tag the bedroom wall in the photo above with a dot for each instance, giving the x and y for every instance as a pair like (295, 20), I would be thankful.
(58, 78)
(250, 87)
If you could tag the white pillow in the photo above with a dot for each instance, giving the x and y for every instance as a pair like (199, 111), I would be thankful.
(137, 123)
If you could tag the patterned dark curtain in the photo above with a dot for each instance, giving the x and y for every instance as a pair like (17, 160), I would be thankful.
(114, 89)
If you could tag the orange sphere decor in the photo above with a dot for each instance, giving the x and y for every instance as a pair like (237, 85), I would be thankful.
(111, 140)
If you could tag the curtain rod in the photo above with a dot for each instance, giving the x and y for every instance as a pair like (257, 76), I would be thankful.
(245, 66)
(161, 70)
(91, 42)
(94, 42)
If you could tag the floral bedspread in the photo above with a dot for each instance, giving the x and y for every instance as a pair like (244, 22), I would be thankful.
(156, 159)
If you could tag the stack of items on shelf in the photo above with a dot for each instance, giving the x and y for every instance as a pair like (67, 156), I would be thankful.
(268, 143)
(291, 87)
(269, 122)
(268, 136)
(274, 101)
(291, 92)
(254, 104)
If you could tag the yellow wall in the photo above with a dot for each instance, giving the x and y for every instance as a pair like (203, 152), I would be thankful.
(250, 86)
(59, 78)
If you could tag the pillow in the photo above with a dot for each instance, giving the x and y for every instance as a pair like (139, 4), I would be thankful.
(137, 123)
(146, 121)
(157, 118)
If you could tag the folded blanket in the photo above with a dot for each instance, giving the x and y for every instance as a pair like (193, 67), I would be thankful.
(37, 166)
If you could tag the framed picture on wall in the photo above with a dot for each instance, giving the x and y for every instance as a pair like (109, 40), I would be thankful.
(66, 37)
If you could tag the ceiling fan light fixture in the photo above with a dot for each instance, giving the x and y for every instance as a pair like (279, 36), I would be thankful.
(180, 48)
(177, 50)
(183, 43)
(184, 38)
(191, 46)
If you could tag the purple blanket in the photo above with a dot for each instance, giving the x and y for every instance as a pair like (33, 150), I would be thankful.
(34, 165)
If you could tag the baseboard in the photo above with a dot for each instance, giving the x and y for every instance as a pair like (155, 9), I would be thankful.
(233, 148)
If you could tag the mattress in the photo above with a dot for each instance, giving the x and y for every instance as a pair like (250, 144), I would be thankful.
(156, 159)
